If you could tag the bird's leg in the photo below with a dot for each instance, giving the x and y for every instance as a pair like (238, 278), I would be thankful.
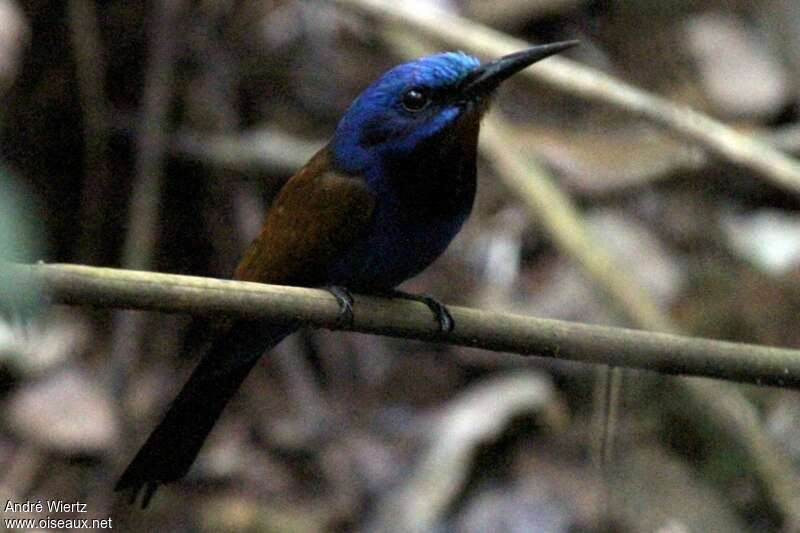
(345, 300)
(439, 310)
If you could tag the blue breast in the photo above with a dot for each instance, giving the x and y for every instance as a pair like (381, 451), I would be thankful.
(419, 167)
(422, 200)
(396, 246)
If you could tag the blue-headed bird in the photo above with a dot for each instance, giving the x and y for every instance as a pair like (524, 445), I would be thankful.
(374, 207)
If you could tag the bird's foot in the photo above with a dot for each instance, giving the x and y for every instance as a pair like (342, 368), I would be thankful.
(439, 310)
(345, 300)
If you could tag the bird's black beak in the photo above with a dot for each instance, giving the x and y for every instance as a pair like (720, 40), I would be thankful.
(487, 77)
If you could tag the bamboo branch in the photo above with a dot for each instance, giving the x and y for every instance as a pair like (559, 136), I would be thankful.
(573, 78)
(659, 352)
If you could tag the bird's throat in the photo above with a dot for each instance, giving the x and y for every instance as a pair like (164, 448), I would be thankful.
(438, 178)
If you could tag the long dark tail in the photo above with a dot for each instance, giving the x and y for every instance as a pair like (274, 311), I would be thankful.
(173, 445)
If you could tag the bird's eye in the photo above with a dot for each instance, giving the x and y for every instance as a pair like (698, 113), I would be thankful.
(416, 99)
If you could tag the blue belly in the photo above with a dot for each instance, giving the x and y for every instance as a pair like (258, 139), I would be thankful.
(398, 245)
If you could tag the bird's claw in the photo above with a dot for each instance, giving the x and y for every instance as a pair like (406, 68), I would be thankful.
(345, 300)
(440, 312)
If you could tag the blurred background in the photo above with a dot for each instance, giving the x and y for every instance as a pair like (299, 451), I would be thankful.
(153, 135)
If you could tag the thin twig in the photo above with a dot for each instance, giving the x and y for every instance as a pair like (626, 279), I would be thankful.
(91, 72)
(573, 78)
(513, 13)
(785, 138)
(267, 149)
(139, 246)
(560, 219)
(144, 209)
(152, 139)
(555, 210)
(659, 352)
(275, 151)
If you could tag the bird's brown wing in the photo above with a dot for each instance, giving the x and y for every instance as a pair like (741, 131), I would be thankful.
(316, 214)
(314, 217)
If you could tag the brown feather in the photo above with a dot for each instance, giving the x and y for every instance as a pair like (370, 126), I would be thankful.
(316, 214)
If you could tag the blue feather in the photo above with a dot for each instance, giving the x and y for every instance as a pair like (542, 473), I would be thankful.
(415, 165)
(379, 106)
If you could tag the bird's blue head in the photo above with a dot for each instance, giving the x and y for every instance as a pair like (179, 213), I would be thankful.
(415, 101)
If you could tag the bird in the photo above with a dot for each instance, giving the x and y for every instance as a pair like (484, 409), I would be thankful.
(372, 208)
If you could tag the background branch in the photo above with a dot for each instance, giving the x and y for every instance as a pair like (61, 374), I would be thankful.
(90, 70)
(573, 78)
